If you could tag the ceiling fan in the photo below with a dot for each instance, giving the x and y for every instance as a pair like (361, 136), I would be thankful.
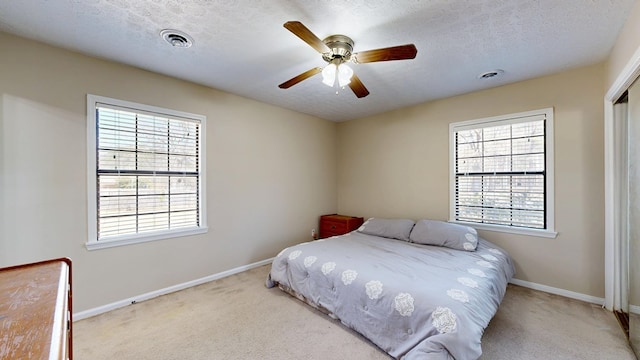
(336, 50)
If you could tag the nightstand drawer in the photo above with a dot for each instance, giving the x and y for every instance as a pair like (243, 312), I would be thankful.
(334, 224)
(334, 227)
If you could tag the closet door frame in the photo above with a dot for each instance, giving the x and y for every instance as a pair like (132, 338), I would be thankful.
(613, 199)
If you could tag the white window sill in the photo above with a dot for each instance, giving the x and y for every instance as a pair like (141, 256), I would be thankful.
(512, 230)
(129, 240)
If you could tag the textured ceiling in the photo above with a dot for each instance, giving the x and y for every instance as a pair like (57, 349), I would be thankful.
(241, 47)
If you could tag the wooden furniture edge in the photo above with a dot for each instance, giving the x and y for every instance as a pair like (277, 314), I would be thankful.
(69, 292)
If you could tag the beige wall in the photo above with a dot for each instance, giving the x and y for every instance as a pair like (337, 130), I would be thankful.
(270, 173)
(627, 44)
(396, 165)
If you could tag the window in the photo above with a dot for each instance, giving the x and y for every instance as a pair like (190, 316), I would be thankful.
(502, 173)
(146, 172)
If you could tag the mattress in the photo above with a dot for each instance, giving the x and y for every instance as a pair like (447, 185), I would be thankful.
(413, 301)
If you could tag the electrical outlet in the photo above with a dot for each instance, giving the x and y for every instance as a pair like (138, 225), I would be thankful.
(314, 234)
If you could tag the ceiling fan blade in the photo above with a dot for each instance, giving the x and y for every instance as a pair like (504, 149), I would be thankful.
(305, 75)
(401, 52)
(358, 87)
(301, 31)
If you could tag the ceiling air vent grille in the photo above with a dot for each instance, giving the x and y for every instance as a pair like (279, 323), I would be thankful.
(176, 38)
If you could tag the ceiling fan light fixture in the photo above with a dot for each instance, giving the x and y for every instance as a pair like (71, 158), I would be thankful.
(344, 75)
(329, 74)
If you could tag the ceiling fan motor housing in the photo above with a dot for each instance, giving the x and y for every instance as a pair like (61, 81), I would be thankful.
(341, 47)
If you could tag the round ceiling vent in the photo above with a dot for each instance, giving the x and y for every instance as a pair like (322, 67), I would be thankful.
(176, 38)
(491, 74)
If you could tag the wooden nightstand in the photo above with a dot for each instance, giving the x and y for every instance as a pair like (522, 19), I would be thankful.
(334, 224)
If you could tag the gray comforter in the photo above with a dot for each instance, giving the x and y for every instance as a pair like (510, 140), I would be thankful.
(413, 301)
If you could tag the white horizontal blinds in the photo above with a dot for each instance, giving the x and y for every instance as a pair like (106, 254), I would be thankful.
(147, 172)
(500, 172)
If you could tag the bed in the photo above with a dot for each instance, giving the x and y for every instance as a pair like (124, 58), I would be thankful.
(424, 290)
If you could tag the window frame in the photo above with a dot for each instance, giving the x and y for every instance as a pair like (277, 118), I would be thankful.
(92, 192)
(549, 230)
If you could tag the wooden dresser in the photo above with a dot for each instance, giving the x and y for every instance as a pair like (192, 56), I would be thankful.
(35, 311)
(334, 224)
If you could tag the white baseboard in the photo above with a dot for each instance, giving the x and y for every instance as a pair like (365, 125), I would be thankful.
(557, 291)
(150, 295)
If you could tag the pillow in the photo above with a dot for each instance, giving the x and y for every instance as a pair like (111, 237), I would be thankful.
(389, 228)
(440, 233)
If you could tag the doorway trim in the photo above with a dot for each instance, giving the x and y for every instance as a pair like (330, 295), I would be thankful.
(612, 203)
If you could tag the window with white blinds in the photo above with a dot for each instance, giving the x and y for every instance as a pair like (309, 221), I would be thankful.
(502, 172)
(147, 170)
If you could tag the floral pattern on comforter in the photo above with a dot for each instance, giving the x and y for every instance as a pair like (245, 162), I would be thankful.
(413, 301)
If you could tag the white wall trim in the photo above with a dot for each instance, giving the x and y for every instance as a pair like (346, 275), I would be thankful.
(627, 76)
(558, 291)
(150, 295)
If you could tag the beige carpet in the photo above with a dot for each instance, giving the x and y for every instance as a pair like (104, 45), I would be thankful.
(238, 318)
